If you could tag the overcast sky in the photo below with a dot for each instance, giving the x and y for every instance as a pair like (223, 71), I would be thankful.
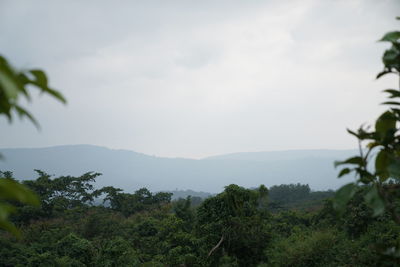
(199, 78)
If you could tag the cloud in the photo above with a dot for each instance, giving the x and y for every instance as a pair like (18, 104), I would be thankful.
(196, 78)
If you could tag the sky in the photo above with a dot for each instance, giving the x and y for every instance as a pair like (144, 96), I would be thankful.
(199, 78)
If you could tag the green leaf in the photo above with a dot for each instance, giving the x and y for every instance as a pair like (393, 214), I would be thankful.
(391, 103)
(373, 200)
(353, 133)
(41, 81)
(365, 176)
(382, 73)
(343, 195)
(55, 94)
(5, 211)
(391, 37)
(23, 112)
(10, 227)
(353, 160)
(385, 124)
(382, 160)
(12, 190)
(393, 93)
(381, 164)
(344, 172)
(393, 167)
(390, 58)
(8, 84)
(13, 84)
(40, 77)
(360, 134)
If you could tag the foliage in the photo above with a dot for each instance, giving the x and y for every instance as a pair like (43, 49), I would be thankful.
(287, 193)
(15, 84)
(285, 223)
(118, 252)
(10, 192)
(295, 196)
(129, 204)
(233, 228)
(381, 144)
(75, 247)
(305, 249)
(184, 211)
(234, 222)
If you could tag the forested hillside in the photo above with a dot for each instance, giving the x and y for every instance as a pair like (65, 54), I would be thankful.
(285, 225)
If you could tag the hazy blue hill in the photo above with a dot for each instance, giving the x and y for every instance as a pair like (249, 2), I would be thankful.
(131, 170)
(286, 155)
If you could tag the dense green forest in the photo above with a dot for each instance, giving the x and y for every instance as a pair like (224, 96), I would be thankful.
(67, 221)
(285, 225)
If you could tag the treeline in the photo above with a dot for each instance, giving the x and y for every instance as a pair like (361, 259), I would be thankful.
(176, 194)
(296, 196)
(78, 225)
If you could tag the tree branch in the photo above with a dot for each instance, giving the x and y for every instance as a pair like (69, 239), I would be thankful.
(216, 246)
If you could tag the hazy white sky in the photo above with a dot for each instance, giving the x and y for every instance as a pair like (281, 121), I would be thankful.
(199, 78)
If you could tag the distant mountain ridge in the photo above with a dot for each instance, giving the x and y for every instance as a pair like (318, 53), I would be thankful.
(131, 170)
(284, 155)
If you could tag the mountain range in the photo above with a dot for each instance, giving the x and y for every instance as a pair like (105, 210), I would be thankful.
(131, 170)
